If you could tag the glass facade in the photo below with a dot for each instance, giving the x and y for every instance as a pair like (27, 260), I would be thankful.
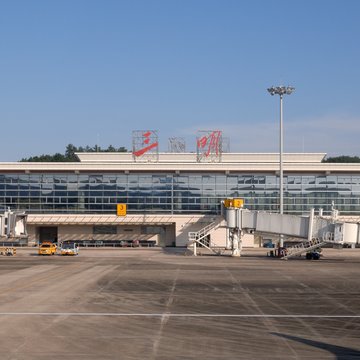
(170, 193)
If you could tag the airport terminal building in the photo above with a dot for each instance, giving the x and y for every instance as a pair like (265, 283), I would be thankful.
(168, 197)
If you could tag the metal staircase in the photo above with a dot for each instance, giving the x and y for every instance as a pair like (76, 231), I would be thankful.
(307, 246)
(200, 237)
(302, 248)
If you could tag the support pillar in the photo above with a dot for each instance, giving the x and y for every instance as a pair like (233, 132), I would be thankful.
(236, 242)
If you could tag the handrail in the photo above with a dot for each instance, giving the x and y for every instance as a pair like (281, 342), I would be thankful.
(200, 234)
(197, 236)
(305, 246)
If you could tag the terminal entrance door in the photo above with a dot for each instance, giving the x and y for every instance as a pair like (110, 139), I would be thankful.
(48, 233)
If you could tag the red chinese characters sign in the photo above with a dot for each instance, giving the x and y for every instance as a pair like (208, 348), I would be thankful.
(145, 143)
(209, 145)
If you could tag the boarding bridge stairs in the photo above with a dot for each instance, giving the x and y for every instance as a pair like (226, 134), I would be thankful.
(302, 248)
(309, 245)
(201, 237)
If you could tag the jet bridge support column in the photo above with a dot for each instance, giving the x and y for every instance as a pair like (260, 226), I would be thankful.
(311, 224)
(236, 242)
(234, 232)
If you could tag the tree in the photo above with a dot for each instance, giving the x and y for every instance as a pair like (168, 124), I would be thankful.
(70, 152)
(69, 155)
(342, 159)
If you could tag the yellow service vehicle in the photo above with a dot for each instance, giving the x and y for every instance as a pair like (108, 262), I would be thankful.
(47, 248)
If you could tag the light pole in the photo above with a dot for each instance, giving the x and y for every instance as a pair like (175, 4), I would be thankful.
(281, 91)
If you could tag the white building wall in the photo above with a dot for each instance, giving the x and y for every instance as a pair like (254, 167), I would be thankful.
(248, 240)
(74, 232)
(33, 238)
(218, 236)
(177, 228)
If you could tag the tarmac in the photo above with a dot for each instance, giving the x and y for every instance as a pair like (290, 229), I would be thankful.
(165, 304)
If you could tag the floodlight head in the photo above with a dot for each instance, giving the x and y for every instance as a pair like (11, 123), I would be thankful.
(280, 90)
(271, 90)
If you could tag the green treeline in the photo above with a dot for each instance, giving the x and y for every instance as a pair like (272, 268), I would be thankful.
(342, 159)
(69, 155)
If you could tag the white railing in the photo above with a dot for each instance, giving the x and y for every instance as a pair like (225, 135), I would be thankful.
(202, 233)
(199, 236)
(303, 247)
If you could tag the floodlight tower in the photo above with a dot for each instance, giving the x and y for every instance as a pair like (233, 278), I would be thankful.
(281, 91)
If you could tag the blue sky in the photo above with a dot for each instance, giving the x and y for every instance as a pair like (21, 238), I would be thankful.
(90, 72)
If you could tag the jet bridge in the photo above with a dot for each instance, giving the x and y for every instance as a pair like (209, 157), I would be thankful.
(313, 230)
(13, 225)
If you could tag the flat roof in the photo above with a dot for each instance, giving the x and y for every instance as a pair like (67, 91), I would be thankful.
(170, 158)
(185, 162)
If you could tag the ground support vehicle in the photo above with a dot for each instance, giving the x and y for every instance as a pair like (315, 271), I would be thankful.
(47, 248)
(314, 254)
(8, 251)
(69, 249)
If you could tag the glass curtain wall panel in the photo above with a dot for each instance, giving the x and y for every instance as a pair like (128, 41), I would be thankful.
(171, 193)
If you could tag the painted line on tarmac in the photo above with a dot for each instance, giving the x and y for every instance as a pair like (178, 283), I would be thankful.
(178, 315)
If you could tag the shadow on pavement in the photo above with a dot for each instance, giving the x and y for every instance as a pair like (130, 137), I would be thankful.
(176, 251)
(340, 352)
